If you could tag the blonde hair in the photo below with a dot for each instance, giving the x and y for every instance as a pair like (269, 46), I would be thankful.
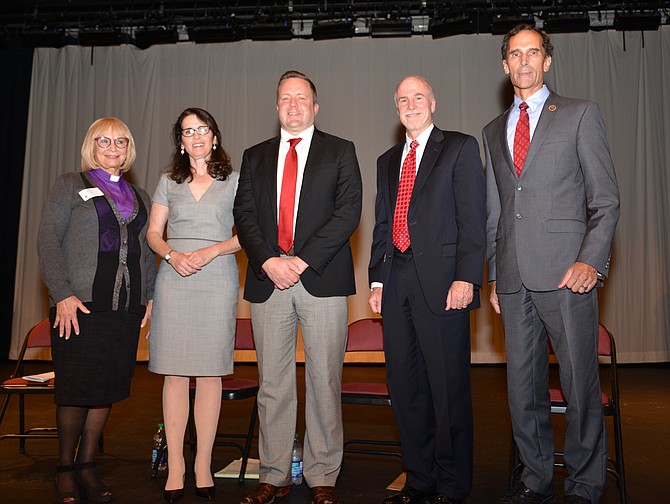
(96, 129)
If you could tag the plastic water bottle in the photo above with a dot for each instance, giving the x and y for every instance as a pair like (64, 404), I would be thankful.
(158, 450)
(296, 462)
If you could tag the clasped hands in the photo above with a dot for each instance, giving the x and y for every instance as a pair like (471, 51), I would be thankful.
(284, 271)
(189, 263)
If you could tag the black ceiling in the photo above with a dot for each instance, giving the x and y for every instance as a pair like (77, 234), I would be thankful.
(73, 16)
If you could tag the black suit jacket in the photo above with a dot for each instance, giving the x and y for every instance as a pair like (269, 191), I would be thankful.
(446, 217)
(329, 210)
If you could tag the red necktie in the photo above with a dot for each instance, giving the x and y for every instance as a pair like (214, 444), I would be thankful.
(521, 138)
(405, 186)
(287, 198)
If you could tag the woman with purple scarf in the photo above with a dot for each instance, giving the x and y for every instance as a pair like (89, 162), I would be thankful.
(100, 275)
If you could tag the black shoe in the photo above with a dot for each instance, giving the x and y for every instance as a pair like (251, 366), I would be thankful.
(442, 499)
(521, 494)
(409, 495)
(576, 499)
(93, 490)
(71, 496)
(173, 495)
(206, 493)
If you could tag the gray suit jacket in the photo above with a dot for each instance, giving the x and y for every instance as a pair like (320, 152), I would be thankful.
(563, 208)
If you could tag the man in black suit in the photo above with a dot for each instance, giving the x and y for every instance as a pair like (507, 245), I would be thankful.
(300, 271)
(426, 269)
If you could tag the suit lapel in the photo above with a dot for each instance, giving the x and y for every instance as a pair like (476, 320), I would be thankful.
(504, 147)
(394, 174)
(547, 117)
(434, 146)
(313, 160)
(269, 165)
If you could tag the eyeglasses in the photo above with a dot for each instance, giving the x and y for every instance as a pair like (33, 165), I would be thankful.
(189, 132)
(105, 143)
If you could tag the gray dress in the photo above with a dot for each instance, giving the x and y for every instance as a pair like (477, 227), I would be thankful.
(193, 318)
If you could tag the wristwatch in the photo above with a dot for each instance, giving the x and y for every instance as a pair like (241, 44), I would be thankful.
(168, 256)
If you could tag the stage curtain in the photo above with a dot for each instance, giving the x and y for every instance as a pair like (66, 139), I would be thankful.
(356, 79)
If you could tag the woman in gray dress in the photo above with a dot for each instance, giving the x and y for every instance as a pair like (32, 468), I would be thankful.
(195, 303)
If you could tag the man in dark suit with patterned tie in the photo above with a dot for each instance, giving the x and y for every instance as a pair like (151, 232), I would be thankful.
(300, 272)
(425, 271)
(553, 205)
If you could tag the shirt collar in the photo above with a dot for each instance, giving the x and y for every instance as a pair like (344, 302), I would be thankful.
(534, 101)
(105, 176)
(306, 135)
(422, 138)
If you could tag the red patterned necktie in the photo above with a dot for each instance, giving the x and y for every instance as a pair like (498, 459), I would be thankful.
(287, 197)
(407, 177)
(521, 138)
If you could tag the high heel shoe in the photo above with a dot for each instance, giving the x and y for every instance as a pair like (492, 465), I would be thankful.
(173, 495)
(206, 493)
(176, 494)
(71, 497)
(97, 492)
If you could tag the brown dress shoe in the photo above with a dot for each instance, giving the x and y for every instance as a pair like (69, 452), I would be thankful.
(265, 493)
(324, 495)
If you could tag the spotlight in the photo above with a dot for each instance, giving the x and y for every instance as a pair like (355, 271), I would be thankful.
(567, 23)
(501, 25)
(155, 35)
(105, 37)
(271, 31)
(43, 37)
(458, 25)
(212, 34)
(326, 30)
(384, 28)
(637, 22)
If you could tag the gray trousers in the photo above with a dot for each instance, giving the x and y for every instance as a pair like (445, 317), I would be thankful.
(571, 322)
(323, 322)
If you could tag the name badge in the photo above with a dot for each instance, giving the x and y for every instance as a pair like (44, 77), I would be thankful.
(92, 192)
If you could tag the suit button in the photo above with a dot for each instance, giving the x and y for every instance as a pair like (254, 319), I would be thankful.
(518, 216)
(519, 187)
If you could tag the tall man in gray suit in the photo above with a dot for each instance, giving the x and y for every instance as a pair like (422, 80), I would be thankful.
(553, 205)
(297, 204)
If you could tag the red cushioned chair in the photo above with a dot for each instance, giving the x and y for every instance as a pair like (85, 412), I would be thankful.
(611, 408)
(39, 336)
(233, 389)
(367, 335)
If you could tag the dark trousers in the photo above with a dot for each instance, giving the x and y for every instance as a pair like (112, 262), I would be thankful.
(428, 374)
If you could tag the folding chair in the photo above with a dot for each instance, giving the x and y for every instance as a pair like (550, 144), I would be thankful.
(233, 389)
(367, 335)
(38, 336)
(611, 408)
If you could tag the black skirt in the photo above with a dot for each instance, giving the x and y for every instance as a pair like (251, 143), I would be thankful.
(96, 366)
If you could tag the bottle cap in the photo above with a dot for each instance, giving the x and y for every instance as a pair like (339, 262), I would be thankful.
(160, 425)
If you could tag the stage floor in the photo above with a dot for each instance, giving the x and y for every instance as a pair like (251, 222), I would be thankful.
(645, 396)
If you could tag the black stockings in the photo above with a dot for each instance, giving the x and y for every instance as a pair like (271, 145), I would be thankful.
(79, 433)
